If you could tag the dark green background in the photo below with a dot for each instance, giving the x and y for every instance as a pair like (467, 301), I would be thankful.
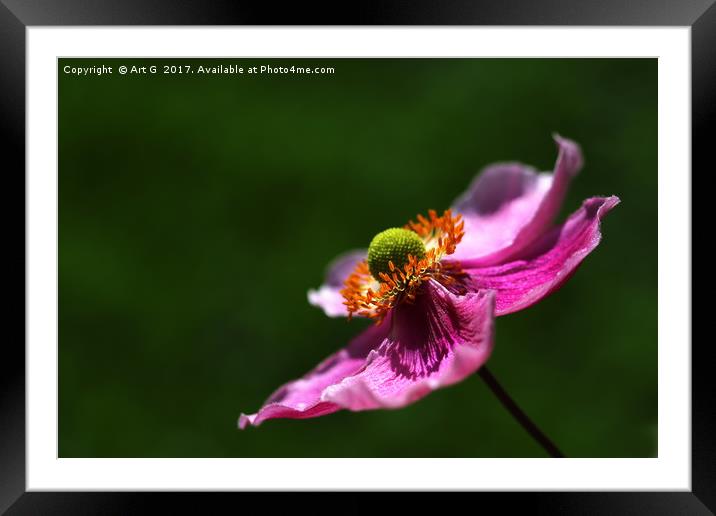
(196, 211)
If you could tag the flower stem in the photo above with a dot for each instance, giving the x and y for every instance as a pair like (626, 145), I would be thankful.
(518, 414)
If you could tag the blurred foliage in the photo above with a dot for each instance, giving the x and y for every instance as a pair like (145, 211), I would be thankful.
(196, 211)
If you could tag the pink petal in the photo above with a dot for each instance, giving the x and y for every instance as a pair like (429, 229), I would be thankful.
(301, 398)
(548, 263)
(328, 296)
(437, 341)
(509, 206)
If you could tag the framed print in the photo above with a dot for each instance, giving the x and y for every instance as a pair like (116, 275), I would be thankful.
(426, 250)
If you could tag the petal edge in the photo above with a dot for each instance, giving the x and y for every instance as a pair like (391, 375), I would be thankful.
(509, 206)
(328, 296)
(549, 262)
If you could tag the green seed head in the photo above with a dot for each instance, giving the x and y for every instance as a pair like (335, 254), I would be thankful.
(393, 245)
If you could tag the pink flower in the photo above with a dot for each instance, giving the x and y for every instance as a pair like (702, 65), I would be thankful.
(435, 286)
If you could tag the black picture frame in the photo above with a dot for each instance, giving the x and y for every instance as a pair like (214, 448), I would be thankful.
(17, 15)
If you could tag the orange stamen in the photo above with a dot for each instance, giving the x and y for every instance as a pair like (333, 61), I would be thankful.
(371, 297)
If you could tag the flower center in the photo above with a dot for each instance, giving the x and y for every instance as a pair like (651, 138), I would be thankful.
(394, 245)
(400, 260)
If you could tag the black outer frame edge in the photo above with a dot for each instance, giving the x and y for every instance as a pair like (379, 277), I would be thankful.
(703, 121)
(367, 12)
(586, 503)
(12, 357)
(463, 12)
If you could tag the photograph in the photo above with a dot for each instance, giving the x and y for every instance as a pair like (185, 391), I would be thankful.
(357, 257)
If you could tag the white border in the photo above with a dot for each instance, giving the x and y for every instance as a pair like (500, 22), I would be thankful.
(670, 471)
